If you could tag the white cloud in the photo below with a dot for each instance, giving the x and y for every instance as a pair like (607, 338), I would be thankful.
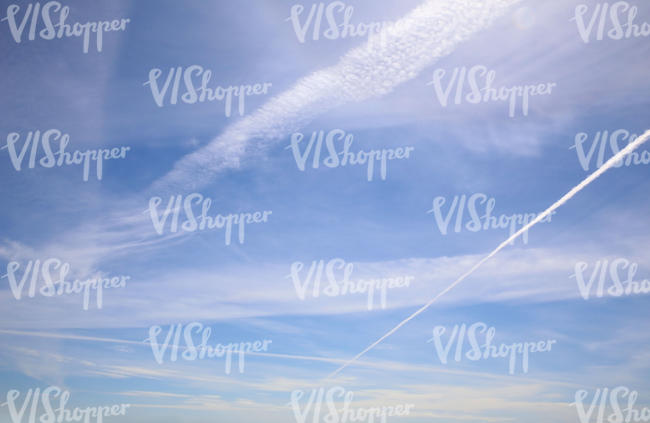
(413, 43)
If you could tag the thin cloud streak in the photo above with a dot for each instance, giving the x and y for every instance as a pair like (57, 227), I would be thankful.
(381, 365)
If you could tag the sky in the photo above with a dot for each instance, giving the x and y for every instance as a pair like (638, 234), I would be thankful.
(307, 216)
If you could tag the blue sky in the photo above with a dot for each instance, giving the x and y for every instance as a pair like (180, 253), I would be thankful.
(243, 292)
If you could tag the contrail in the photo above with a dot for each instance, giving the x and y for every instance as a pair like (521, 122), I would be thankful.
(382, 365)
(140, 343)
(619, 156)
(398, 53)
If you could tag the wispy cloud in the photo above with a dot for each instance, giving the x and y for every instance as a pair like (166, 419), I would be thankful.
(414, 42)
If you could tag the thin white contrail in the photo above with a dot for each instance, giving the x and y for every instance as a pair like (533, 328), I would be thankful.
(393, 56)
(381, 365)
(140, 343)
(619, 156)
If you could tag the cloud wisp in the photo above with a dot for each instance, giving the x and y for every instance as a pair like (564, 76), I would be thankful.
(395, 55)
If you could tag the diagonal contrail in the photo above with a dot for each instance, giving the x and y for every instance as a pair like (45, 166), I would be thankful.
(619, 156)
(393, 56)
